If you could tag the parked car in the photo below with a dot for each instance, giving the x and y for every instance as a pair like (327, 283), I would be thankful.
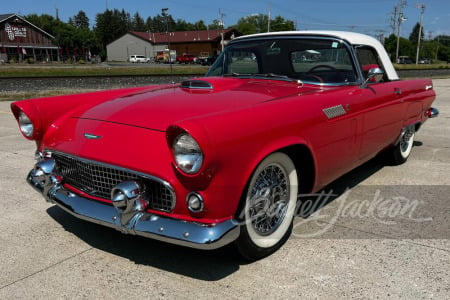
(209, 60)
(223, 159)
(186, 59)
(404, 60)
(426, 61)
(139, 59)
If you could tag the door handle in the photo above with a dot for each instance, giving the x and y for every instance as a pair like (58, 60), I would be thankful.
(398, 91)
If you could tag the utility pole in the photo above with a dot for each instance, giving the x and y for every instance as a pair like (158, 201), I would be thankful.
(268, 20)
(221, 15)
(422, 11)
(400, 20)
(437, 48)
(166, 17)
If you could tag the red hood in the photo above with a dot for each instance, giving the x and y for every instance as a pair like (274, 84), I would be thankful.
(161, 107)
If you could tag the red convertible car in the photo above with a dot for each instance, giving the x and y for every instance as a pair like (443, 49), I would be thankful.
(222, 159)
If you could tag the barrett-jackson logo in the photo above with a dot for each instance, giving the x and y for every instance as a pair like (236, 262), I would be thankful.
(14, 31)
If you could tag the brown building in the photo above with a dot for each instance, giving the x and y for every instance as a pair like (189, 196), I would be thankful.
(149, 43)
(20, 40)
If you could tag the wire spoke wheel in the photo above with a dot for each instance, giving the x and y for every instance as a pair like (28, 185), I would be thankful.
(268, 200)
(401, 152)
(269, 208)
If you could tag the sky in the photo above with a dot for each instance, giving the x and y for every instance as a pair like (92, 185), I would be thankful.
(366, 16)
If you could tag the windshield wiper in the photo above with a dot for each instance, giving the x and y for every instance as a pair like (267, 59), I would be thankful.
(266, 75)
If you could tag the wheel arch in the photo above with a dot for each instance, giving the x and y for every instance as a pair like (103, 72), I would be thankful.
(304, 162)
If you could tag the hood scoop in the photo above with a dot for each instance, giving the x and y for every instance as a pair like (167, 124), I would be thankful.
(196, 84)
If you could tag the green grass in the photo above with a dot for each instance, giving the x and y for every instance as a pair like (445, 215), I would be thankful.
(422, 67)
(67, 70)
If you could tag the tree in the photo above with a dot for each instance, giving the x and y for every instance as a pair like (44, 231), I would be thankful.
(414, 36)
(259, 23)
(406, 46)
(281, 24)
(160, 25)
(255, 23)
(138, 23)
(45, 22)
(80, 21)
(200, 25)
(182, 25)
(111, 25)
(216, 24)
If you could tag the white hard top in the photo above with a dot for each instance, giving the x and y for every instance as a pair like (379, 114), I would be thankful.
(353, 38)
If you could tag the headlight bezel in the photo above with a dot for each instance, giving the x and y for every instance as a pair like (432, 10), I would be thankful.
(187, 153)
(26, 126)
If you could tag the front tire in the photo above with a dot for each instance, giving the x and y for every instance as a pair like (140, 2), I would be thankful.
(268, 208)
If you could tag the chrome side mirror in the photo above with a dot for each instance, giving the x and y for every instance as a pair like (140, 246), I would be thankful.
(374, 75)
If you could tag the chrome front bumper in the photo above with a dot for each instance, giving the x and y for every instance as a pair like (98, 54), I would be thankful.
(175, 231)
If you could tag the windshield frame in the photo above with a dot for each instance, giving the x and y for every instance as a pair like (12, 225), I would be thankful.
(221, 66)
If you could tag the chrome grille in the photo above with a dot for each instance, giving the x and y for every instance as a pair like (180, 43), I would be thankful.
(97, 179)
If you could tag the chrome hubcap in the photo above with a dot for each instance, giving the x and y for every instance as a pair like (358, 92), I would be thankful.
(406, 140)
(269, 199)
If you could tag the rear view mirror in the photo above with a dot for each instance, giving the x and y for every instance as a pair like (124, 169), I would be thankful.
(373, 75)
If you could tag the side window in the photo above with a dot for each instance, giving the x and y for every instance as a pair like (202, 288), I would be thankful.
(325, 62)
(368, 59)
(243, 62)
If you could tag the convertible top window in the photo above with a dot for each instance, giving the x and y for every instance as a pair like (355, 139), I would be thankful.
(317, 61)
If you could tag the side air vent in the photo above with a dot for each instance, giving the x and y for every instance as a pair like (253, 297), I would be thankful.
(196, 84)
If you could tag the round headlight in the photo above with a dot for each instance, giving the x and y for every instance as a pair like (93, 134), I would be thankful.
(25, 124)
(187, 153)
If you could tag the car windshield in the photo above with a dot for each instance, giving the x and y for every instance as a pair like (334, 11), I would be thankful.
(311, 60)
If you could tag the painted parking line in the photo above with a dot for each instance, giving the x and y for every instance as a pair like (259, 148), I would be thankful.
(5, 112)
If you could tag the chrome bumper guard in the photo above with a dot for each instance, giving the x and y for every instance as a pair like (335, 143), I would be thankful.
(184, 233)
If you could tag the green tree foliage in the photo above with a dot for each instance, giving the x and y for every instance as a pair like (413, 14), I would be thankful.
(216, 24)
(414, 36)
(138, 23)
(281, 24)
(159, 23)
(112, 24)
(80, 21)
(406, 47)
(44, 22)
(255, 23)
(258, 23)
(442, 43)
(200, 25)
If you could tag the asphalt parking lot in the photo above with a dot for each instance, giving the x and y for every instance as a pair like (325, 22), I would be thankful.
(385, 235)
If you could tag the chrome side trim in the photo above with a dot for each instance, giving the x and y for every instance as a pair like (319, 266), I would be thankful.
(166, 229)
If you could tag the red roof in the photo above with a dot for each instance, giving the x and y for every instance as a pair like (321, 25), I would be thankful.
(182, 36)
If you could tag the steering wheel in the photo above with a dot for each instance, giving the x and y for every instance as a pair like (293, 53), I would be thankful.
(311, 71)
(322, 66)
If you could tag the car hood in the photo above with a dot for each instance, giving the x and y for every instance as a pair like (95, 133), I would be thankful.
(161, 107)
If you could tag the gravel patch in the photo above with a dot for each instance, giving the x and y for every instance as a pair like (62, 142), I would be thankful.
(83, 83)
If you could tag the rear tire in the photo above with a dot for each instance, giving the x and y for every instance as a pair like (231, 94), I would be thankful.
(401, 152)
(269, 207)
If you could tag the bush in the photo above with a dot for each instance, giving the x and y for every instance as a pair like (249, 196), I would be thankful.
(30, 60)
